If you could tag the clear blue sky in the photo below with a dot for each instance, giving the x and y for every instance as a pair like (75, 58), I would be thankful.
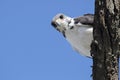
(31, 49)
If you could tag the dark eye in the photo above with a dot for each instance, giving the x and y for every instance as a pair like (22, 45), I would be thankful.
(61, 16)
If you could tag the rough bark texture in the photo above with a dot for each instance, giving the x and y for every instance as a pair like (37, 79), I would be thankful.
(106, 44)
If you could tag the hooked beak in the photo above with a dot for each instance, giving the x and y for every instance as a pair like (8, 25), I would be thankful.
(54, 24)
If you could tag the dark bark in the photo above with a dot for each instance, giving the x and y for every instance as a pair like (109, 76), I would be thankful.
(105, 47)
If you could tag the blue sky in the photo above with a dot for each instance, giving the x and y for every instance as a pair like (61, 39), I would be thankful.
(31, 49)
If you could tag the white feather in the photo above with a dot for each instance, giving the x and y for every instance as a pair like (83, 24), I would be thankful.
(80, 38)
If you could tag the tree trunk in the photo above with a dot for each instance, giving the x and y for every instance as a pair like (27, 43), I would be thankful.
(105, 47)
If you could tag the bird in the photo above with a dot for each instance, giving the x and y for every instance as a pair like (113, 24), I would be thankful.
(77, 31)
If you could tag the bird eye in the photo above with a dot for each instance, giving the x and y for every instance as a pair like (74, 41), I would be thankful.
(61, 16)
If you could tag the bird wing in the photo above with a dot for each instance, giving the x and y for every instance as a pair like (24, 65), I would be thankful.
(86, 19)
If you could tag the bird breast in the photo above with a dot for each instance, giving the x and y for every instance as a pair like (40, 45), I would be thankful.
(80, 39)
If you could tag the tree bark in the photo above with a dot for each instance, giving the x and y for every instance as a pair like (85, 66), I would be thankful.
(105, 47)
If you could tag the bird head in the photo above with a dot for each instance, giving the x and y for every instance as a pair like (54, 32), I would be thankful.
(61, 22)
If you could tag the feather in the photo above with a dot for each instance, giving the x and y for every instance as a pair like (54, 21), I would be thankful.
(87, 19)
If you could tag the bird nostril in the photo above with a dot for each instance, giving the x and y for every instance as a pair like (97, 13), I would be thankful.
(53, 24)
